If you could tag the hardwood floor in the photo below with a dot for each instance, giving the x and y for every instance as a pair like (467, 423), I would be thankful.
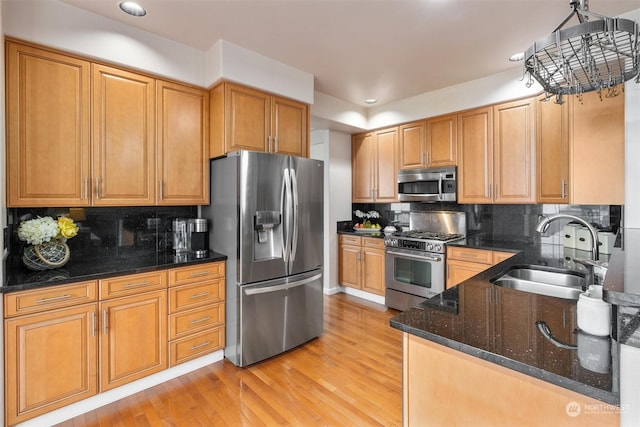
(350, 376)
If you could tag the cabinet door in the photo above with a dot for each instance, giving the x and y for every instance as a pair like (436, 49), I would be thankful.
(133, 340)
(475, 156)
(289, 128)
(412, 150)
(373, 266)
(552, 148)
(123, 145)
(362, 167)
(441, 141)
(51, 361)
(48, 128)
(247, 119)
(183, 146)
(514, 152)
(349, 266)
(386, 167)
(597, 149)
(459, 271)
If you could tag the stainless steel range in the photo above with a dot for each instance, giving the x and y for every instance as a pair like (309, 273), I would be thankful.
(415, 259)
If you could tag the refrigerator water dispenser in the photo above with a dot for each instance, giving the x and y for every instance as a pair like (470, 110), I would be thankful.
(267, 244)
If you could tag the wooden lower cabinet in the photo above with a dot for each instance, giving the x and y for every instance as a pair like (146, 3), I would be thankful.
(51, 361)
(464, 263)
(483, 393)
(133, 338)
(196, 311)
(361, 263)
(67, 343)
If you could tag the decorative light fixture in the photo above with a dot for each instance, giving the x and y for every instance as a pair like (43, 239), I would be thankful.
(132, 8)
(591, 56)
(370, 101)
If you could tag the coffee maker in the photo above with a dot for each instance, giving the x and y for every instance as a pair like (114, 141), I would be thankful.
(198, 237)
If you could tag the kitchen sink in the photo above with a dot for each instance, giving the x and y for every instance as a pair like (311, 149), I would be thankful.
(543, 281)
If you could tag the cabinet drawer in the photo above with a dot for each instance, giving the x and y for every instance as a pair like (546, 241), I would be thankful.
(132, 284)
(191, 296)
(196, 273)
(195, 345)
(345, 239)
(36, 300)
(472, 255)
(196, 320)
(368, 242)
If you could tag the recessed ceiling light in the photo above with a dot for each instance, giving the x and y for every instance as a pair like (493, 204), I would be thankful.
(132, 8)
(370, 101)
(516, 57)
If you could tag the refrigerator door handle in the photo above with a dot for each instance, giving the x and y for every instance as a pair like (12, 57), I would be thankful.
(283, 212)
(296, 218)
(285, 286)
(286, 250)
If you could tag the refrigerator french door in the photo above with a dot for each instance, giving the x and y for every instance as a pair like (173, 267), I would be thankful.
(267, 217)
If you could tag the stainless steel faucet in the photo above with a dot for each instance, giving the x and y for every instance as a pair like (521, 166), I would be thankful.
(543, 225)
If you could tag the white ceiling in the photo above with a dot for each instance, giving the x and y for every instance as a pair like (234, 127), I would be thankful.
(358, 49)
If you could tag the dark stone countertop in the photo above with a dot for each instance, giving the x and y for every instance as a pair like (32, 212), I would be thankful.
(84, 266)
(377, 234)
(499, 325)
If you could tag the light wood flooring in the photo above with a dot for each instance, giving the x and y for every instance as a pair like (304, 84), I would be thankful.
(350, 376)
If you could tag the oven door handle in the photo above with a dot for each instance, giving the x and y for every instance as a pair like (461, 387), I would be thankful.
(420, 257)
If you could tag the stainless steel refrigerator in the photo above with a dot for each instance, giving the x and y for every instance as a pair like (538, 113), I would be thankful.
(266, 214)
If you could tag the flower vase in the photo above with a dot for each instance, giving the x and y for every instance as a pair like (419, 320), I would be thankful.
(46, 256)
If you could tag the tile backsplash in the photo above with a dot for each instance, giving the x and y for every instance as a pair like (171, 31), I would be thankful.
(123, 231)
(503, 222)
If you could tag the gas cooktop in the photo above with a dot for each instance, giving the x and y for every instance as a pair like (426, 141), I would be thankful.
(421, 240)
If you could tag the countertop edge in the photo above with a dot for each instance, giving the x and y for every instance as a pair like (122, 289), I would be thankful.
(212, 257)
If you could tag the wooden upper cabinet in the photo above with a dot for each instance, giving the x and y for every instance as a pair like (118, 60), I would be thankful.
(442, 141)
(48, 128)
(243, 118)
(123, 143)
(412, 145)
(374, 166)
(386, 166)
(289, 127)
(428, 143)
(475, 156)
(362, 167)
(552, 151)
(514, 152)
(596, 129)
(183, 146)
(496, 154)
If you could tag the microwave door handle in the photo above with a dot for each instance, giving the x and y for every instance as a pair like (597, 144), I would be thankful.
(440, 196)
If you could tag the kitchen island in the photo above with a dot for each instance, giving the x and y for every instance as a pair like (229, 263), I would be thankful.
(477, 348)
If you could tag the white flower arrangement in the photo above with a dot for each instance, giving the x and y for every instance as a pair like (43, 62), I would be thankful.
(40, 230)
(367, 215)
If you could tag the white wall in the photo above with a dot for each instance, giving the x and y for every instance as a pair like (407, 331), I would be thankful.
(57, 24)
(334, 148)
(632, 146)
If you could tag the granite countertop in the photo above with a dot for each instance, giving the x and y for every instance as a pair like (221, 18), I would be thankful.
(85, 266)
(499, 325)
(377, 234)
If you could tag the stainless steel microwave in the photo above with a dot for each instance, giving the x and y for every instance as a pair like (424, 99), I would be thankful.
(427, 185)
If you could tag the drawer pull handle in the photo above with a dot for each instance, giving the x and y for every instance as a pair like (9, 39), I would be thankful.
(200, 274)
(52, 299)
(136, 285)
(468, 255)
(204, 344)
(204, 319)
(204, 294)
